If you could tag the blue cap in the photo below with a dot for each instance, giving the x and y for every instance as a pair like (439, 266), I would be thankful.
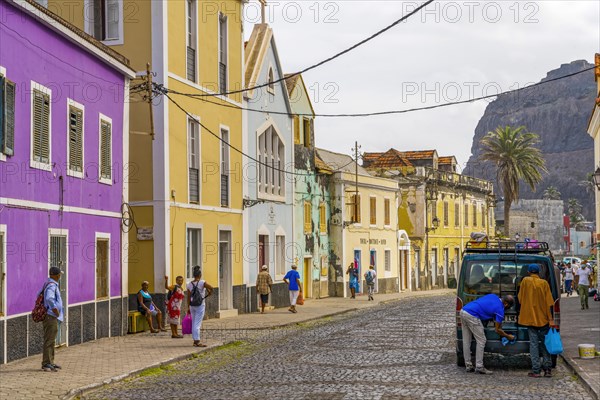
(534, 268)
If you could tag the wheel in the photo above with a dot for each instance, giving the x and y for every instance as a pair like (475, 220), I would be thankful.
(554, 357)
(460, 358)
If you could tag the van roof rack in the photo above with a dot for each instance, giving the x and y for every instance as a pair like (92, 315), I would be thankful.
(507, 246)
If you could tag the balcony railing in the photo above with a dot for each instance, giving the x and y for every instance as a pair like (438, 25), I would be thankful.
(454, 179)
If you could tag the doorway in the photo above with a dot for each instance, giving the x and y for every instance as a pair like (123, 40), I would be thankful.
(225, 272)
(373, 262)
(58, 258)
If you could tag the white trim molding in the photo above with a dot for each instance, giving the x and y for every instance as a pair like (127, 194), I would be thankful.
(55, 207)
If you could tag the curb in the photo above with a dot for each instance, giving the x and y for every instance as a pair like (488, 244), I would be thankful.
(576, 370)
(73, 393)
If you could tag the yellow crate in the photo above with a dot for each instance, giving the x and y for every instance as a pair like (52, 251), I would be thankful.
(136, 322)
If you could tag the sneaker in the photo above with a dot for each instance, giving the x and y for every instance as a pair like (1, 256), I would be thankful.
(534, 375)
(48, 368)
(483, 371)
(470, 369)
(56, 366)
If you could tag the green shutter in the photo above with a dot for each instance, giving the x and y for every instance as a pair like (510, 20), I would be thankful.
(41, 127)
(105, 138)
(9, 119)
(2, 111)
(75, 139)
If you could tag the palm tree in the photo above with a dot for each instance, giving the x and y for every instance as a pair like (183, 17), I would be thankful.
(551, 193)
(574, 209)
(513, 152)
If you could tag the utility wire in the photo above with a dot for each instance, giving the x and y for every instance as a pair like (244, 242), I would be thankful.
(376, 113)
(341, 53)
(240, 151)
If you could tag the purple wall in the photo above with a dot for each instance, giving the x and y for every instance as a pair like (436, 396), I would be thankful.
(70, 72)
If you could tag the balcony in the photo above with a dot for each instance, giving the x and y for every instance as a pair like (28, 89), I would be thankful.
(455, 180)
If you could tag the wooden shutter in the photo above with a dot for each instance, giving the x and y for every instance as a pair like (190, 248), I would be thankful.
(296, 129)
(9, 118)
(386, 205)
(41, 127)
(322, 218)
(456, 214)
(2, 111)
(307, 217)
(105, 156)
(373, 209)
(445, 213)
(75, 139)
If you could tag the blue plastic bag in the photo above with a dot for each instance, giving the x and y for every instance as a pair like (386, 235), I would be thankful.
(505, 341)
(553, 343)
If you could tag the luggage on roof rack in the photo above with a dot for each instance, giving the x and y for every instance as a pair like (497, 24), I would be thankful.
(507, 246)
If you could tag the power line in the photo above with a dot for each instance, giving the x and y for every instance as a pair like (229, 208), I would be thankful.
(376, 113)
(341, 53)
(238, 150)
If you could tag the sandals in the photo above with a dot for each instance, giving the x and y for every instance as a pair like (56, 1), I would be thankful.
(176, 336)
(198, 344)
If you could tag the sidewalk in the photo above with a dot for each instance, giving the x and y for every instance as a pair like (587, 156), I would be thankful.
(581, 327)
(93, 364)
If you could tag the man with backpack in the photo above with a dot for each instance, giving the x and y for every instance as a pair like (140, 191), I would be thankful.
(370, 276)
(54, 313)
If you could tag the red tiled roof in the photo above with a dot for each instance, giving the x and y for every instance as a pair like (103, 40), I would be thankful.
(418, 155)
(446, 160)
(389, 160)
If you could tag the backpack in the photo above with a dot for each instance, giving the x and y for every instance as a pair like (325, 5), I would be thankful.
(369, 278)
(196, 297)
(38, 314)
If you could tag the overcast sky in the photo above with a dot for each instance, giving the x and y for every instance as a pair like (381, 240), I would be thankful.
(454, 51)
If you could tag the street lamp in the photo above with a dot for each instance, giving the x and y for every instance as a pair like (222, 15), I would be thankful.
(435, 223)
(596, 177)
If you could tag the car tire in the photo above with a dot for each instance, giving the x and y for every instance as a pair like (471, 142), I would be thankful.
(460, 359)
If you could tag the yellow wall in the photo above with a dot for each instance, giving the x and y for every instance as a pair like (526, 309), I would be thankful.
(141, 255)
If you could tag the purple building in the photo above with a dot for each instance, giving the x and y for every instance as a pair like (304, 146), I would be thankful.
(63, 146)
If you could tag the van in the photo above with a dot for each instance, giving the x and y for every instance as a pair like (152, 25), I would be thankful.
(499, 268)
(572, 260)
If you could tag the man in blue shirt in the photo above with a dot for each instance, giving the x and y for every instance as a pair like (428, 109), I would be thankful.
(54, 309)
(292, 279)
(484, 308)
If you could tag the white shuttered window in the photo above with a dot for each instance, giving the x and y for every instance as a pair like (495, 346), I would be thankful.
(40, 127)
(75, 138)
(105, 150)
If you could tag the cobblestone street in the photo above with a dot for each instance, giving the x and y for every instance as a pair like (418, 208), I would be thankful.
(402, 350)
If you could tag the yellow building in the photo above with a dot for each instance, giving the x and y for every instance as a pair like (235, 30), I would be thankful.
(594, 131)
(185, 181)
(438, 209)
(363, 224)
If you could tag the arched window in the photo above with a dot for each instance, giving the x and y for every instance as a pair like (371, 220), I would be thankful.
(271, 154)
(271, 86)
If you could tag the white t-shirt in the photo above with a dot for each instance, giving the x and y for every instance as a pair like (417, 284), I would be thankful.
(373, 274)
(200, 284)
(584, 274)
(568, 274)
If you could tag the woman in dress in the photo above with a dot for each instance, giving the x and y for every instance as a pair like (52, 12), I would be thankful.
(148, 309)
(174, 301)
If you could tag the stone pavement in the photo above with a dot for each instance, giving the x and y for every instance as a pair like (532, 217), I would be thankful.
(581, 327)
(95, 363)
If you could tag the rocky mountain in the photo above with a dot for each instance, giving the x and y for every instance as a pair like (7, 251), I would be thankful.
(558, 112)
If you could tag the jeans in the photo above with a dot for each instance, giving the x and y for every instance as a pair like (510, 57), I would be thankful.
(568, 286)
(293, 297)
(537, 335)
(472, 326)
(583, 295)
(197, 317)
(50, 325)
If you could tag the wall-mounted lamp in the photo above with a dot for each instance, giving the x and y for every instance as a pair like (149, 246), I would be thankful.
(435, 223)
(596, 178)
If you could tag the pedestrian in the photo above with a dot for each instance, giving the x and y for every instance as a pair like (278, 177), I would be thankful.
(536, 301)
(292, 279)
(583, 284)
(370, 276)
(568, 274)
(148, 309)
(352, 273)
(197, 291)
(472, 315)
(174, 301)
(54, 314)
(264, 286)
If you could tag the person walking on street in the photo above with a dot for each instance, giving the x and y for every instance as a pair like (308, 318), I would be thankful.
(148, 309)
(536, 302)
(264, 286)
(197, 291)
(370, 276)
(488, 307)
(583, 284)
(54, 314)
(568, 273)
(174, 301)
(292, 279)
(352, 273)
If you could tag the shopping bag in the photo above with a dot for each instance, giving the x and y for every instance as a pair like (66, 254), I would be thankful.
(186, 324)
(553, 342)
(300, 299)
